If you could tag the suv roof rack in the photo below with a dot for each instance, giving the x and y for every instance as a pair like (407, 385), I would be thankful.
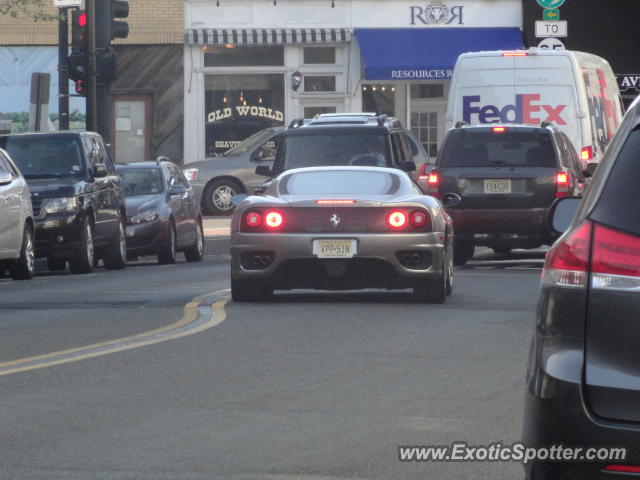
(546, 124)
(381, 119)
(460, 124)
(296, 122)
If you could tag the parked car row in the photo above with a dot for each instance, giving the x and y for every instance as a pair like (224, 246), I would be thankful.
(62, 198)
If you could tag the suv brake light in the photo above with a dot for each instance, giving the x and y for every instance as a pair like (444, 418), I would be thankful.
(517, 53)
(562, 184)
(422, 175)
(433, 184)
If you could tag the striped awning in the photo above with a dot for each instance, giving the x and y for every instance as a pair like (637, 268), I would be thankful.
(271, 36)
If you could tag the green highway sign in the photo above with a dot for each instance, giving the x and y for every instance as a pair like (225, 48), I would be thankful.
(551, 14)
(550, 3)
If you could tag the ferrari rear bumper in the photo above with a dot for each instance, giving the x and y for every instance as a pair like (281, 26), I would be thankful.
(381, 260)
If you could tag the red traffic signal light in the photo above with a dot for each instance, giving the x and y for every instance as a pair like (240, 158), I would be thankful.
(82, 19)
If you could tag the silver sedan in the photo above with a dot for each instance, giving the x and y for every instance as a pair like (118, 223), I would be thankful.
(341, 228)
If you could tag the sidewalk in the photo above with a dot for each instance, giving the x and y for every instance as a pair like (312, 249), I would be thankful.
(216, 226)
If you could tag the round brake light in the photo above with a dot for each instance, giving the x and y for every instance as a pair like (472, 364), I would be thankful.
(418, 218)
(397, 219)
(273, 219)
(253, 219)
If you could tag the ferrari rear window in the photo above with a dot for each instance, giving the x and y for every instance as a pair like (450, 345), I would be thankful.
(340, 182)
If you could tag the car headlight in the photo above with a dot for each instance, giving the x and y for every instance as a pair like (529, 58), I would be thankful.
(191, 174)
(61, 205)
(145, 216)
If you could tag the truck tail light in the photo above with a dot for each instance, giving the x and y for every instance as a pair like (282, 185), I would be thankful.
(586, 154)
(433, 184)
(422, 175)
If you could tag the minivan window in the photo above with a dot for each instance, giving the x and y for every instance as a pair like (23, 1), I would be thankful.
(336, 148)
(507, 148)
(46, 157)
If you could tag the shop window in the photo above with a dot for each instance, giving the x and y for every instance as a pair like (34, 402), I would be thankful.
(310, 112)
(237, 106)
(320, 83)
(380, 99)
(424, 125)
(427, 90)
(319, 55)
(241, 56)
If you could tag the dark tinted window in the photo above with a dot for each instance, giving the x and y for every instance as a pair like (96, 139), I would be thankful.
(620, 196)
(369, 149)
(465, 148)
(46, 156)
(147, 181)
(340, 182)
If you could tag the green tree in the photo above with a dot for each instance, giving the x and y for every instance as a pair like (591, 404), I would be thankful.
(26, 8)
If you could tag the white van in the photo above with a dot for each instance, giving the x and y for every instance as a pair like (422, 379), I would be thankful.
(576, 91)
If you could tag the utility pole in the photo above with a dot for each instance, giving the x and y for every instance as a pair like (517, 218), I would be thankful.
(92, 111)
(63, 70)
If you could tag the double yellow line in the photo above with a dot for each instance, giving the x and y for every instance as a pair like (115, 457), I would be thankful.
(198, 315)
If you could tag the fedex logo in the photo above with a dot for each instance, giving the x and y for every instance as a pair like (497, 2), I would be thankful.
(527, 110)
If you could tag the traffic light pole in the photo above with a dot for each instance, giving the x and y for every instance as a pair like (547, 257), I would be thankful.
(103, 86)
(63, 70)
(92, 111)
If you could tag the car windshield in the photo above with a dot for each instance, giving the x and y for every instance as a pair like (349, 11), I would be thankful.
(368, 149)
(46, 156)
(340, 183)
(253, 141)
(488, 148)
(145, 181)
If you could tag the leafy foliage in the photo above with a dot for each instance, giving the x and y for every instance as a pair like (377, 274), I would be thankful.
(34, 9)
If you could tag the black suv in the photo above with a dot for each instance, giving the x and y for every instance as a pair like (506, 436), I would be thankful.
(504, 179)
(342, 139)
(77, 198)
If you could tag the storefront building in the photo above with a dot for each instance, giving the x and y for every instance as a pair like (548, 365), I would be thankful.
(260, 63)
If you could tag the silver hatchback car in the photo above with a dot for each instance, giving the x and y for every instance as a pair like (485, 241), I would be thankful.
(16, 222)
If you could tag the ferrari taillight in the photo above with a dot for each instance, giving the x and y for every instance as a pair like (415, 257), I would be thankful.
(397, 219)
(273, 220)
(418, 218)
(253, 219)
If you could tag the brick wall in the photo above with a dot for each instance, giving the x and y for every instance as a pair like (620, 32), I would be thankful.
(150, 22)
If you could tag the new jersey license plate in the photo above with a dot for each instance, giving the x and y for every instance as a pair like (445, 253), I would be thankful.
(335, 248)
(497, 186)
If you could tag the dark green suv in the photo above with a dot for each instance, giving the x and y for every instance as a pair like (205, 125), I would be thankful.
(503, 179)
(77, 198)
(359, 139)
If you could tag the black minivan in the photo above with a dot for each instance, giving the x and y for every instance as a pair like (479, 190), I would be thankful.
(583, 380)
(506, 177)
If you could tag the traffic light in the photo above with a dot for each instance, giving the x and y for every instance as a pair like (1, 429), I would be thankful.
(79, 58)
(119, 9)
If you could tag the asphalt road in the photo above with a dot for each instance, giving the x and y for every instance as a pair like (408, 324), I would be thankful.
(309, 386)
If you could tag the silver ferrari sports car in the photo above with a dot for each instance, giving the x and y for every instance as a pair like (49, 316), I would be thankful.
(341, 228)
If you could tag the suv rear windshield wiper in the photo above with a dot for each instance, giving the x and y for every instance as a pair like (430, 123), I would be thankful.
(44, 175)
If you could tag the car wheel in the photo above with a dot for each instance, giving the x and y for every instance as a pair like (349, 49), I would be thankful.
(56, 264)
(167, 255)
(82, 260)
(23, 268)
(195, 253)
(463, 252)
(245, 291)
(219, 195)
(449, 284)
(115, 255)
(432, 291)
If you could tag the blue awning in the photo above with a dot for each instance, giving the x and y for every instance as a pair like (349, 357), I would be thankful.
(426, 54)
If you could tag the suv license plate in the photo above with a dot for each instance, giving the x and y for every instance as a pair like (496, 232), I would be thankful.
(497, 186)
(334, 248)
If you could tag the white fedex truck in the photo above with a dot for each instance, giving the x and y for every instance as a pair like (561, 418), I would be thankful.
(575, 91)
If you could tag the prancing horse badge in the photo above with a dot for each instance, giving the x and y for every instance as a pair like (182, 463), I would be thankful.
(335, 220)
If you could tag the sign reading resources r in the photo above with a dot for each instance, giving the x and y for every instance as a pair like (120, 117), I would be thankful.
(550, 3)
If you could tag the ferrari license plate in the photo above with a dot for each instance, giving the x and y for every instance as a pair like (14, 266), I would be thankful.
(497, 186)
(334, 248)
